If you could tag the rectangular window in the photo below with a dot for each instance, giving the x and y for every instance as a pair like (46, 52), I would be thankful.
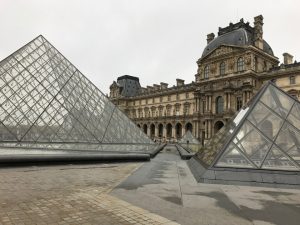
(292, 80)
(239, 103)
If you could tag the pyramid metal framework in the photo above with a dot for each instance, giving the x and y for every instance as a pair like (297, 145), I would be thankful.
(264, 135)
(47, 103)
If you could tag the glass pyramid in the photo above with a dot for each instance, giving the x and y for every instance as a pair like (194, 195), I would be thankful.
(264, 135)
(47, 103)
(189, 142)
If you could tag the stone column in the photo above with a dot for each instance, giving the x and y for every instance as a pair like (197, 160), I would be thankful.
(209, 129)
(173, 131)
(148, 130)
(164, 131)
(206, 129)
(229, 100)
(225, 102)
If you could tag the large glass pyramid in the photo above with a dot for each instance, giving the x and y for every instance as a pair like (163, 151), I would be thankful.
(47, 103)
(264, 135)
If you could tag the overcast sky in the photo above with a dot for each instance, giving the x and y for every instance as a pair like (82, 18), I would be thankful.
(156, 40)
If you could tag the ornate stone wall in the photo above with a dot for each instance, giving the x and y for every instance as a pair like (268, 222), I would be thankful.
(226, 79)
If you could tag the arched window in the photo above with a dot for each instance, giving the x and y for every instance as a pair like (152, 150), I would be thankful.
(240, 64)
(206, 72)
(222, 68)
(219, 104)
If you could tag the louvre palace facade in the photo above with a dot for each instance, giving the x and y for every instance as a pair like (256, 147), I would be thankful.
(232, 68)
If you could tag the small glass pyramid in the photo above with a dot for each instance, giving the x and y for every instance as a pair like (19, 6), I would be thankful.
(188, 137)
(265, 135)
(47, 103)
(189, 142)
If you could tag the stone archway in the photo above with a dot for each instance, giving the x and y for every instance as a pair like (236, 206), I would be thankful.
(189, 127)
(152, 130)
(160, 130)
(145, 128)
(218, 125)
(169, 130)
(139, 126)
(267, 128)
(178, 129)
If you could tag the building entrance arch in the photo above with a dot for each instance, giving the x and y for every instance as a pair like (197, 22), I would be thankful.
(218, 126)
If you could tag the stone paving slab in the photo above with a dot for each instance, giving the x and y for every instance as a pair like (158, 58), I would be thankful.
(71, 194)
(165, 186)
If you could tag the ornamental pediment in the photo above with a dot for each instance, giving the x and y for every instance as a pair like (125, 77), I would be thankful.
(222, 50)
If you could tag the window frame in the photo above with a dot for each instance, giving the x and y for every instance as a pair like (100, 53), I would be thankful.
(222, 68)
(206, 72)
(240, 64)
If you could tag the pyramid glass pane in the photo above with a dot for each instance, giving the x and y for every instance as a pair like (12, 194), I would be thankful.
(288, 141)
(208, 153)
(46, 103)
(276, 160)
(294, 116)
(252, 143)
(233, 157)
(266, 137)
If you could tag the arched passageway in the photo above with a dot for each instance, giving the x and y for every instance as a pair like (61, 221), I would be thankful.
(160, 130)
(267, 128)
(218, 126)
(169, 130)
(145, 128)
(178, 129)
(152, 130)
(189, 127)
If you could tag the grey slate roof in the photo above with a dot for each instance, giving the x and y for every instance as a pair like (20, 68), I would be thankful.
(239, 37)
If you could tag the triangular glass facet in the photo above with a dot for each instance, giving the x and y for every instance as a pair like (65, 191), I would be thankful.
(45, 102)
(232, 157)
(276, 160)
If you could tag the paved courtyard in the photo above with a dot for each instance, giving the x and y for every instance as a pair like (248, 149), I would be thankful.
(166, 187)
(162, 191)
(70, 194)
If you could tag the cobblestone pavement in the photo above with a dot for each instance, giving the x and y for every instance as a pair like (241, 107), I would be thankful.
(70, 194)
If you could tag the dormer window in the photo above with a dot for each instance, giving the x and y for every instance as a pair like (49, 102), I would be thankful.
(240, 64)
(222, 68)
(206, 72)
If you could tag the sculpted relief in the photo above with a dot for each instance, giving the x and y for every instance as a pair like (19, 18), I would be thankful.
(221, 51)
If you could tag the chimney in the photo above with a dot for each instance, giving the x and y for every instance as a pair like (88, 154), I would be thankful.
(156, 86)
(149, 88)
(258, 32)
(287, 58)
(179, 82)
(210, 37)
(163, 85)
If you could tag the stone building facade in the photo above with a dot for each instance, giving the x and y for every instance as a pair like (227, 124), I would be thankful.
(232, 68)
